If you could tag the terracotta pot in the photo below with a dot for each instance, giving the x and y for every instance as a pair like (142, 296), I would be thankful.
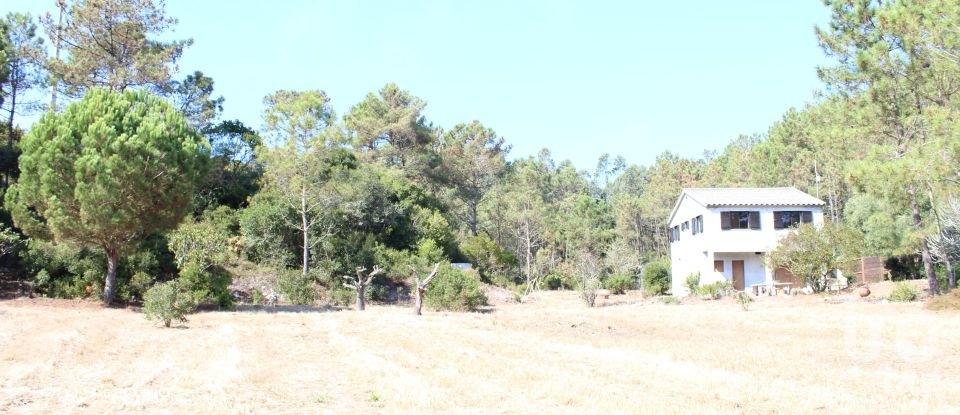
(864, 291)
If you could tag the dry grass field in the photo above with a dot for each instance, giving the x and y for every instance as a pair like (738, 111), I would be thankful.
(553, 355)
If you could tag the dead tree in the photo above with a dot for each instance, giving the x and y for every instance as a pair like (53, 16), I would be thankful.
(422, 287)
(360, 283)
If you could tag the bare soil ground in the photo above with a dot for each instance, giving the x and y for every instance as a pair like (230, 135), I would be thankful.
(549, 355)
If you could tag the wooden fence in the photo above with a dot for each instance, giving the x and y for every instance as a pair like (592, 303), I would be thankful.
(871, 269)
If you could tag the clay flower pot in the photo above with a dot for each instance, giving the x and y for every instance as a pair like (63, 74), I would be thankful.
(864, 291)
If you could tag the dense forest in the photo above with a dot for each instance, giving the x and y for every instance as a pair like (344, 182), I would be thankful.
(131, 178)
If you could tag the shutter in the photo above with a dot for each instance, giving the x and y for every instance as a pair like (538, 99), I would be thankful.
(754, 220)
(777, 220)
(724, 220)
(806, 217)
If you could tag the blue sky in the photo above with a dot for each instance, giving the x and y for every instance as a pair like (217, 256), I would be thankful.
(581, 78)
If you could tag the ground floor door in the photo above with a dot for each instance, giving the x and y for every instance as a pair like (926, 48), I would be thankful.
(737, 268)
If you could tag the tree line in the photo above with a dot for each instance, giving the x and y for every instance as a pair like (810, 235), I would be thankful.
(131, 177)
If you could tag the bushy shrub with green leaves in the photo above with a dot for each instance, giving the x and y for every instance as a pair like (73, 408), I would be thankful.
(588, 289)
(167, 302)
(267, 236)
(904, 292)
(297, 288)
(200, 250)
(490, 259)
(455, 290)
(67, 271)
(558, 281)
(619, 284)
(341, 296)
(744, 299)
(715, 290)
(207, 285)
(693, 283)
(656, 277)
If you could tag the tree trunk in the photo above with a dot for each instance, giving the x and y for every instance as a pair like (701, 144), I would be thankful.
(951, 276)
(13, 109)
(61, 6)
(360, 289)
(306, 230)
(418, 301)
(472, 222)
(924, 246)
(110, 284)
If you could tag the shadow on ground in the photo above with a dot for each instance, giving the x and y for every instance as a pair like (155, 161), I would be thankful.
(247, 308)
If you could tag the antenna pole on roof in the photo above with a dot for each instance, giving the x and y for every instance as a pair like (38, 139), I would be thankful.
(816, 176)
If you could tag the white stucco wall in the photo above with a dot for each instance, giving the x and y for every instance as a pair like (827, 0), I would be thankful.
(695, 253)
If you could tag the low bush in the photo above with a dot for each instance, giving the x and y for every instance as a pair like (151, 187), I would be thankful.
(744, 299)
(297, 288)
(619, 284)
(656, 277)
(903, 292)
(949, 301)
(693, 283)
(139, 283)
(588, 290)
(670, 300)
(341, 296)
(455, 290)
(558, 281)
(167, 302)
(257, 297)
(207, 285)
(715, 290)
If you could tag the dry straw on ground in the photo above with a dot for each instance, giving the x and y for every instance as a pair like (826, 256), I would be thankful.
(553, 355)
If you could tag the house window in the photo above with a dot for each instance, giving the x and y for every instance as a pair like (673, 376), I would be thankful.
(698, 225)
(685, 226)
(740, 220)
(789, 219)
(675, 234)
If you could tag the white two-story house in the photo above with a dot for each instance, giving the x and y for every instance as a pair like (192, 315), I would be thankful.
(724, 233)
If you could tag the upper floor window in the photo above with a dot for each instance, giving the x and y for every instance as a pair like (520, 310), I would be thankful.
(685, 226)
(740, 220)
(674, 234)
(697, 225)
(790, 218)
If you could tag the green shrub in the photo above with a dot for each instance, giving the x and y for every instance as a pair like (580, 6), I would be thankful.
(903, 292)
(139, 284)
(670, 300)
(207, 285)
(490, 259)
(341, 296)
(66, 271)
(619, 284)
(257, 297)
(744, 299)
(297, 288)
(656, 277)
(693, 283)
(455, 290)
(715, 290)
(588, 289)
(167, 302)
